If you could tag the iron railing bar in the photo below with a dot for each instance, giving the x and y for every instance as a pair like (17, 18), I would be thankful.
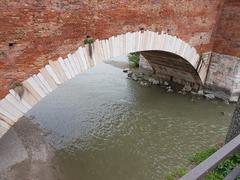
(209, 164)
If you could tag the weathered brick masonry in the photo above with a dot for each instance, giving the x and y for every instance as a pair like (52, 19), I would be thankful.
(33, 32)
(224, 70)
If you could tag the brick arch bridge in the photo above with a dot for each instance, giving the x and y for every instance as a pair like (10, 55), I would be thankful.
(38, 86)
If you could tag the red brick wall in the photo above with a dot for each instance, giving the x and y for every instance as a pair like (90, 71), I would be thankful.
(227, 37)
(34, 31)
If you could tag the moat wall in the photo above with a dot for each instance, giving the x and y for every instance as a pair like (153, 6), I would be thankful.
(33, 32)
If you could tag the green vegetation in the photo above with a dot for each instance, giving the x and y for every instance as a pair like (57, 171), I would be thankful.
(88, 40)
(198, 157)
(133, 59)
(15, 84)
(218, 173)
(177, 173)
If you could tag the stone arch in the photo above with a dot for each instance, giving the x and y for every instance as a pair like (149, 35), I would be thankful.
(36, 87)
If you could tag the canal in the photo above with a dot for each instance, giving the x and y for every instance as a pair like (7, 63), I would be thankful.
(104, 126)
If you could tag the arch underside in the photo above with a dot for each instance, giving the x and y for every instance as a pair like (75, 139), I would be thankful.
(38, 86)
(169, 66)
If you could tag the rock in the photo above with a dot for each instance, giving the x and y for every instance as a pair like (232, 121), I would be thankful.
(226, 102)
(160, 81)
(134, 77)
(130, 73)
(153, 81)
(209, 96)
(207, 91)
(150, 80)
(125, 70)
(156, 82)
(165, 83)
(200, 92)
(187, 88)
(193, 93)
(223, 113)
(140, 75)
(142, 83)
(169, 90)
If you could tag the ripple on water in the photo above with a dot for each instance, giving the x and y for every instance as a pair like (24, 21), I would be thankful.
(118, 130)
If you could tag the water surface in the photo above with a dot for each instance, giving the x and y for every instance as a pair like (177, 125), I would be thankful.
(107, 127)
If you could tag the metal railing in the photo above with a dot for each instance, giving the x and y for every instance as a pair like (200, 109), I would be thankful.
(210, 163)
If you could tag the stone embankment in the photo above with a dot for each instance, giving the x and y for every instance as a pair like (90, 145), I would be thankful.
(147, 79)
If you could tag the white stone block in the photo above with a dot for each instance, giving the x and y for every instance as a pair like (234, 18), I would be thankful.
(86, 57)
(161, 42)
(80, 61)
(44, 82)
(6, 119)
(31, 90)
(69, 67)
(48, 78)
(52, 74)
(16, 96)
(58, 70)
(64, 67)
(100, 55)
(132, 42)
(94, 53)
(151, 40)
(4, 125)
(83, 59)
(102, 46)
(10, 109)
(108, 50)
(181, 49)
(166, 43)
(112, 47)
(29, 98)
(17, 103)
(72, 64)
(118, 46)
(171, 44)
(177, 46)
(3, 131)
(155, 39)
(75, 59)
(36, 87)
(128, 43)
(39, 82)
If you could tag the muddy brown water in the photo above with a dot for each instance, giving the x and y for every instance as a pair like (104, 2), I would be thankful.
(107, 127)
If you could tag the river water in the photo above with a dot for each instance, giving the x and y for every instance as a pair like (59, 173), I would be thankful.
(107, 127)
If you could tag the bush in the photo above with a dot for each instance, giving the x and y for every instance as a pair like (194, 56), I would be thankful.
(228, 165)
(198, 157)
(219, 173)
(133, 59)
(88, 41)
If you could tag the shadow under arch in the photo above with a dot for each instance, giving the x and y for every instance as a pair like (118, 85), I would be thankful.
(172, 67)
